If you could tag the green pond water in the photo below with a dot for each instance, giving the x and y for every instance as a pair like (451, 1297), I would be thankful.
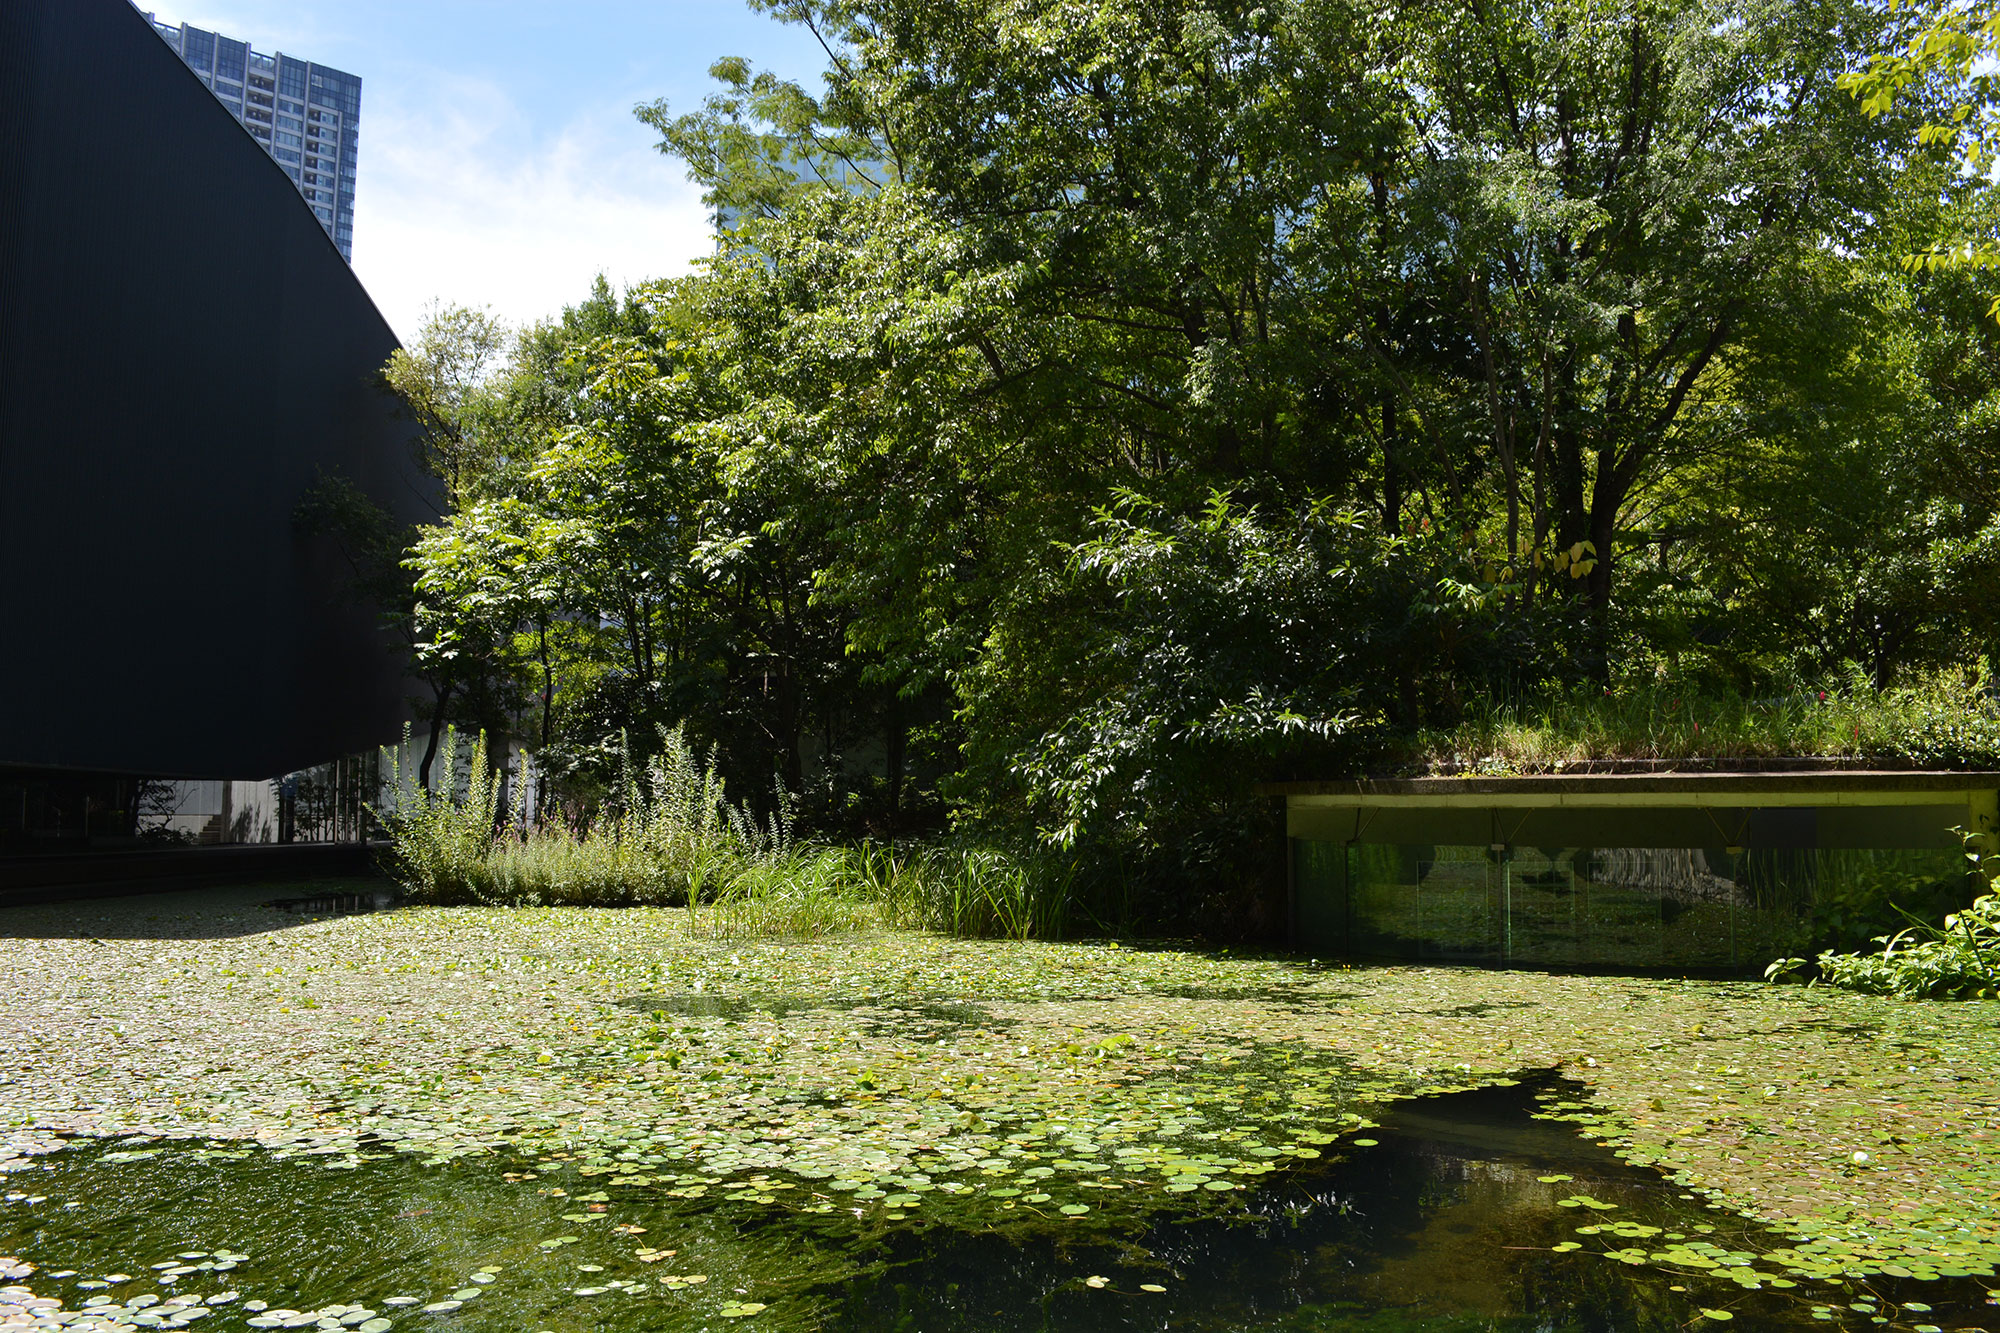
(1458, 1212)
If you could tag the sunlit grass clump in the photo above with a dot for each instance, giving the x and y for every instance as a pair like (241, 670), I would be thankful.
(673, 838)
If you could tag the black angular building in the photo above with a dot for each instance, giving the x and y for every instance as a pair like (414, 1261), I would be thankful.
(183, 355)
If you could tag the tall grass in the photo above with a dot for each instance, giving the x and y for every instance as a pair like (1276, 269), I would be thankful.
(670, 836)
(1940, 721)
(802, 893)
(967, 890)
(673, 838)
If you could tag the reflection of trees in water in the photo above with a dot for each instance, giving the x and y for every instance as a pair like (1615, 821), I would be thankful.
(1637, 906)
(1678, 874)
(1445, 1222)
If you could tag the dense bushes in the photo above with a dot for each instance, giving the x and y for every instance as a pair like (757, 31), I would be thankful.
(1057, 487)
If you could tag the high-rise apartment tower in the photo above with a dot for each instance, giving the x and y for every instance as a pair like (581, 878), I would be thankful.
(307, 116)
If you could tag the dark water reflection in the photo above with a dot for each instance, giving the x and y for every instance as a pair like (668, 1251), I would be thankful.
(1445, 1224)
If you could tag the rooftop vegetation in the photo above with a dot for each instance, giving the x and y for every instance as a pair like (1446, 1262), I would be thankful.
(1944, 720)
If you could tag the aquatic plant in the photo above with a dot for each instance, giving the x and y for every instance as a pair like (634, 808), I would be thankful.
(1959, 960)
(968, 890)
(672, 837)
(992, 1080)
(669, 836)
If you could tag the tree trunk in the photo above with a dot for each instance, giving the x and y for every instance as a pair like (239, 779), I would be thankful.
(896, 735)
(437, 732)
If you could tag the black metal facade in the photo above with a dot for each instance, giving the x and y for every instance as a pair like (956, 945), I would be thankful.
(182, 354)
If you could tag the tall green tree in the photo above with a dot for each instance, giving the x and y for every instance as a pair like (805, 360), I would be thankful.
(1509, 276)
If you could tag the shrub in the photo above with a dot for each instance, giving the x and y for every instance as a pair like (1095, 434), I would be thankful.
(1958, 960)
(441, 836)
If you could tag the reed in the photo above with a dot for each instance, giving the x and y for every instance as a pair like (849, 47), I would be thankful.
(672, 837)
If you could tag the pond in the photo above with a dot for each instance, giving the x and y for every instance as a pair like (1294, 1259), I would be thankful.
(566, 1118)
(1470, 1210)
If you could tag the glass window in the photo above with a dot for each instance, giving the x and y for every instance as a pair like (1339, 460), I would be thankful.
(231, 58)
(1705, 908)
(289, 140)
(198, 48)
(285, 154)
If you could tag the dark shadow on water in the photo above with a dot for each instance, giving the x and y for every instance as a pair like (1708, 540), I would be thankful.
(188, 914)
(877, 1010)
(1444, 1225)
(339, 902)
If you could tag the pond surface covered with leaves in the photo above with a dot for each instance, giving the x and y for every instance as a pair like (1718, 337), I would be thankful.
(571, 1118)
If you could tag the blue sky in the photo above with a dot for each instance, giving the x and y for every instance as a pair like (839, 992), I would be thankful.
(500, 163)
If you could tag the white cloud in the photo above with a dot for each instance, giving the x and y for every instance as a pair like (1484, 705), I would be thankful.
(459, 199)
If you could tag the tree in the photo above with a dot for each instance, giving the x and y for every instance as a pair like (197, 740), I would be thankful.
(1948, 61)
(1508, 276)
(1174, 392)
(446, 385)
(472, 432)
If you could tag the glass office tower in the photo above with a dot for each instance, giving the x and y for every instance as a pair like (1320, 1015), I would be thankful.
(306, 116)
